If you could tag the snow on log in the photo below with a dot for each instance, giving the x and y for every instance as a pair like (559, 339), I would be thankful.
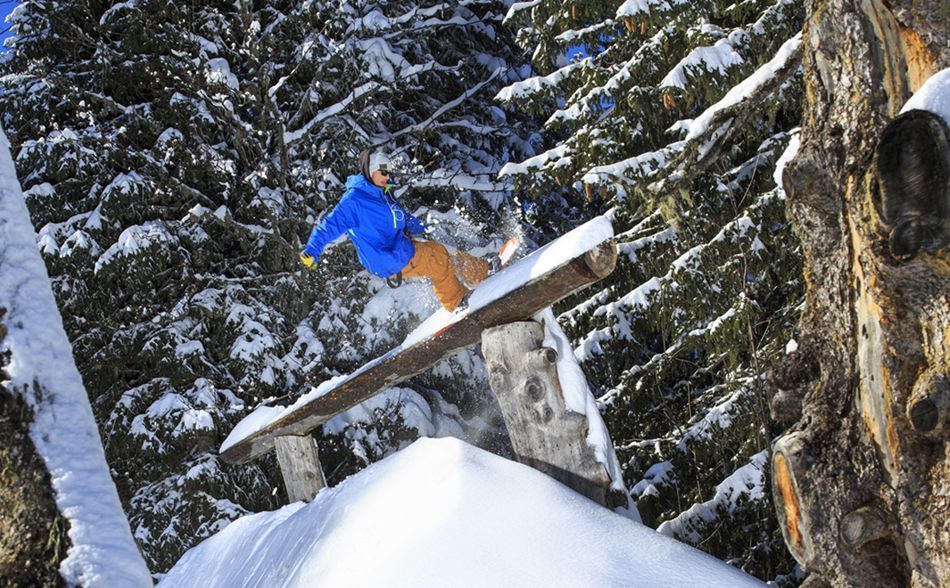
(574, 261)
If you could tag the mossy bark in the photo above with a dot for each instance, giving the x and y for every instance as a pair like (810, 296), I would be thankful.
(862, 495)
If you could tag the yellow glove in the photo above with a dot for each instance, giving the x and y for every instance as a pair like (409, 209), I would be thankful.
(307, 259)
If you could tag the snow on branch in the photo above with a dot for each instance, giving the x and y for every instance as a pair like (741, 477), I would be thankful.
(459, 180)
(682, 161)
(294, 136)
(525, 88)
(519, 7)
(447, 106)
(719, 58)
(713, 129)
(746, 483)
(647, 7)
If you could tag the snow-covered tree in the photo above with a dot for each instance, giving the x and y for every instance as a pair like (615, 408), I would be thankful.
(676, 113)
(174, 156)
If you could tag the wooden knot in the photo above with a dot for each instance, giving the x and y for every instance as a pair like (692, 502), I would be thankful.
(788, 381)
(929, 405)
(862, 526)
(497, 375)
(912, 167)
(542, 359)
(534, 389)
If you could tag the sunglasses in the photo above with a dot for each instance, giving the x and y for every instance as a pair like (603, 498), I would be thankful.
(383, 173)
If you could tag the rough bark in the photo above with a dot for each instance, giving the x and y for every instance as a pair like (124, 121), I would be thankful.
(863, 495)
(33, 539)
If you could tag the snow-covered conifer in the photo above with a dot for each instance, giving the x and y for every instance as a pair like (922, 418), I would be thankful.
(675, 113)
(175, 156)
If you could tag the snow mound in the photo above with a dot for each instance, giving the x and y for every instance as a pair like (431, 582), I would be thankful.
(444, 513)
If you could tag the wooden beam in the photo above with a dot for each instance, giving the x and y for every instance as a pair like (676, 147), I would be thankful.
(299, 462)
(544, 433)
(403, 363)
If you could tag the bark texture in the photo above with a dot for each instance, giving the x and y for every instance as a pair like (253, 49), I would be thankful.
(862, 477)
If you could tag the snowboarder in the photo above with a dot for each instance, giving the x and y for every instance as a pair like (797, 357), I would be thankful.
(388, 239)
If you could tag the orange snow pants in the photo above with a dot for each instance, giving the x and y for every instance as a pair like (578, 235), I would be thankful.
(449, 276)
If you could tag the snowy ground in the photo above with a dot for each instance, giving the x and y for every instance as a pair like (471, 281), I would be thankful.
(443, 513)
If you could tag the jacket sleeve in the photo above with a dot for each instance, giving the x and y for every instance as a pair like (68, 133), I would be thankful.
(341, 219)
(414, 225)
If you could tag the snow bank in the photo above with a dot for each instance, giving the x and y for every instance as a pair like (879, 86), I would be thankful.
(64, 432)
(443, 513)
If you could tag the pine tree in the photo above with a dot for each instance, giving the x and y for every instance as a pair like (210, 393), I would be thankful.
(175, 156)
(676, 113)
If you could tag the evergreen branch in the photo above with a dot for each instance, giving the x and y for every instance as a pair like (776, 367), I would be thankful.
(445, 108)
(715, 128)
(293, 137)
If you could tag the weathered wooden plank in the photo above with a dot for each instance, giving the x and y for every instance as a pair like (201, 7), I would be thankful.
(403, 363)
(544, 433)
(299, 461)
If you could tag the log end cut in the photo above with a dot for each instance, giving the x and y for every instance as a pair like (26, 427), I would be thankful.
(787, 471)
(601, 260)
(912, 165)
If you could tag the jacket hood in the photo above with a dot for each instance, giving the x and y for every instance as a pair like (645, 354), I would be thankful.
(359, 182)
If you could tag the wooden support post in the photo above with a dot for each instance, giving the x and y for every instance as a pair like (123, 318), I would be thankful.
(300, 466)
(544, 434)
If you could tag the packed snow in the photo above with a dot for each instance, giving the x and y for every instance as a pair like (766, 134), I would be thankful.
(934, 96)
(444, 513)
(554, 254)
(64, 431)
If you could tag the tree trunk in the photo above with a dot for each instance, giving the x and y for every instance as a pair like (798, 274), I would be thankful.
(862, 479)
(33, 540)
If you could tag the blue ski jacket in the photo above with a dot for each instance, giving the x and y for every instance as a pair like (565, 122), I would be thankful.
(375, 223)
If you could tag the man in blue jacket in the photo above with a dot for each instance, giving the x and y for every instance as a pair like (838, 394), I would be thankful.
(379, 229)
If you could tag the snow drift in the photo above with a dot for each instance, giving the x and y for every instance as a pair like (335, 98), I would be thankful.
(444, 513)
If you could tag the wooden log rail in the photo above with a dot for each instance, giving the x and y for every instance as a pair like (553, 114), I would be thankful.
(402, 363)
